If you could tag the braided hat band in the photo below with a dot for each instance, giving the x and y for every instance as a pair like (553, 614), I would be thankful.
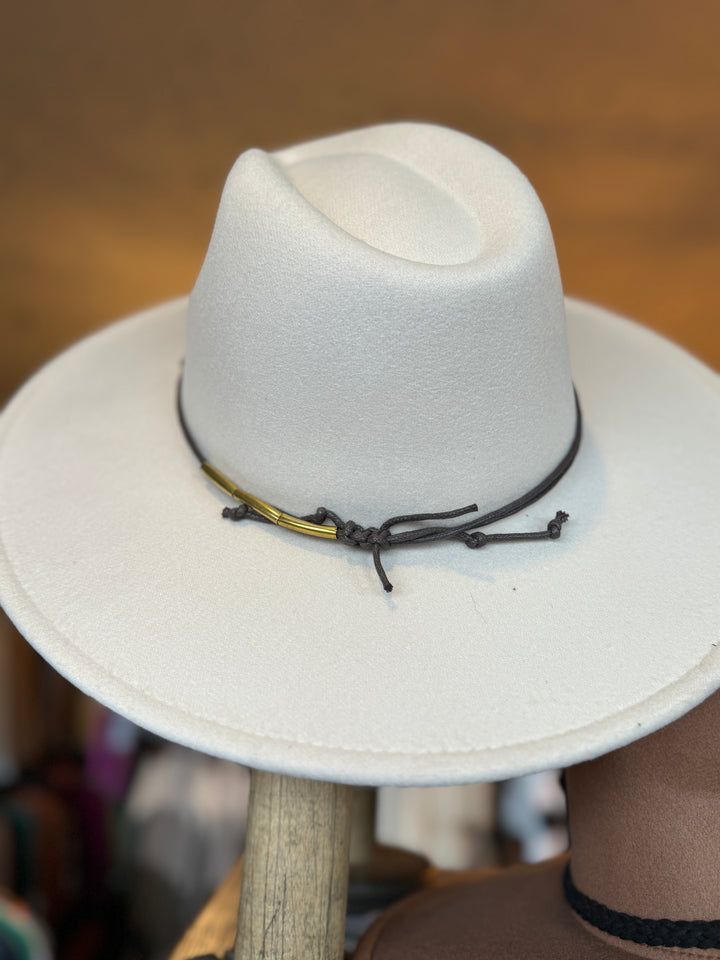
(696, 934)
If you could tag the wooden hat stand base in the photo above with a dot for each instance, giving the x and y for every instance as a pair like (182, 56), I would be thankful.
(645, 828)
(304, 838)
(295, 871)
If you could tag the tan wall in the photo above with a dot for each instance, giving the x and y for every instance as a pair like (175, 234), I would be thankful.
(121, 120)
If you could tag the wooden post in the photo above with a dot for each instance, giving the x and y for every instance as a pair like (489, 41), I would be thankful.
(295, 871)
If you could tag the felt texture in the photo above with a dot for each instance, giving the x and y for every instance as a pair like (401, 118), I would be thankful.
(281, 651)
(516, 914)
(369, 375)
(644, 841)
(378, 327)
(644, 822)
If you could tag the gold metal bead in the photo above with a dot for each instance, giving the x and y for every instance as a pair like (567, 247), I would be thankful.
(265, 509)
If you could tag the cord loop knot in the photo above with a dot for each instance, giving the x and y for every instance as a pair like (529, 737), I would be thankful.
(426, 529)
(476, 540)
(554, 528)
(356, 535)
(236, 513)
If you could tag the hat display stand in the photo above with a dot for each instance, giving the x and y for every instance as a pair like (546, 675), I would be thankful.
(295, 869)
(302, 817)
(310, 858)
(378, 353)
(644, 853)
(287, 898)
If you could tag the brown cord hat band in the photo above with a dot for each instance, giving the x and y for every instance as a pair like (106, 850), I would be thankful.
(381, 538)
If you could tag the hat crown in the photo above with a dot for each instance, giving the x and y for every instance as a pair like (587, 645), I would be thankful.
(379, 328)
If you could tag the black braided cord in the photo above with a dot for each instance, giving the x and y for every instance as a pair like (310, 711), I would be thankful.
(695, 934)
(382, 538)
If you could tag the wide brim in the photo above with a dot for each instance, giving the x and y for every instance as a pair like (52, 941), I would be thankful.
(281, 651)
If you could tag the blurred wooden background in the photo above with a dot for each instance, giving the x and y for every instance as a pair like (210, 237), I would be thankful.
(121, 120)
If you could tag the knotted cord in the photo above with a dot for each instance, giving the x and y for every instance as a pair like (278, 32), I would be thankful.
(381, 538)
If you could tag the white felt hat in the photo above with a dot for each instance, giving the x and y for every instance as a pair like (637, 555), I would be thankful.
(379, 329)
